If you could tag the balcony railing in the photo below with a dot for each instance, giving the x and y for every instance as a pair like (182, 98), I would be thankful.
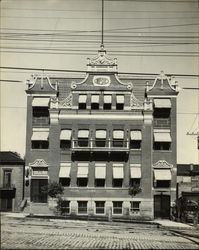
(100, 145)
(162, 122)
(40, 121)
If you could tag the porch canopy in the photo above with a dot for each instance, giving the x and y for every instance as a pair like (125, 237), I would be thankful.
(118, 171)
(120, 99)
(100, 134)
(64, 171)
(40, 102)
(162, 174)
(136, 135)
(65, 134)
(40, 136)
(118, 134)
(162, 103)
(162, 137)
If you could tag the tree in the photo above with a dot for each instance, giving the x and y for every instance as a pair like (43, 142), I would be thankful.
(53, 189)
(135, 189)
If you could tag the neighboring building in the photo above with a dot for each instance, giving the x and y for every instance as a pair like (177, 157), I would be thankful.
(188, 181)
(11, 181)
(100, 136)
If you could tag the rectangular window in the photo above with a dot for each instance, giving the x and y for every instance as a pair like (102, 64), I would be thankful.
(40, 144)
(135, 144)
(82, 105)
(100, 143)
(118, 138)
(117, 182)
(82, 182)
(162, 183)
(82, 207)
(65, 144)
(95, 102)
(117, 207)
(40, 112)
(134, 182)
(99, 182)
(82, 101)
(135, 206)
(162, 146)
(7, 178)
(65, 182)
(65, 207)
(119, 102)
(161, 113)
(99, 205)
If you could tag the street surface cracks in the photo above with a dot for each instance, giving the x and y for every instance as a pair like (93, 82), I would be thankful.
(25, 233)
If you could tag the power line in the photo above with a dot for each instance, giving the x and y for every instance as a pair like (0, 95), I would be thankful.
(97, 18)
(84, 71)
(122, 11)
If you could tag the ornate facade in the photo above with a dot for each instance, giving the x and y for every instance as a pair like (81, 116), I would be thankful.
(109, 139)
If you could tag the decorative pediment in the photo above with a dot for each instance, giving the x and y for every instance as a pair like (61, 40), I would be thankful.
(161, 81)
(102, 61)
(42, 80)
(38, 163)
(162, 164)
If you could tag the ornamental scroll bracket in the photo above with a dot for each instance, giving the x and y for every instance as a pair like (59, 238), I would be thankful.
(134, 102)
(162, 164)
(129, 85)
(66, 103)
(74, 84)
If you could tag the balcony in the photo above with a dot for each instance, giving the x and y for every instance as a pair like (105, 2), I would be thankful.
(161, 122)
(108, 145)
(40, 121)
(7, 191)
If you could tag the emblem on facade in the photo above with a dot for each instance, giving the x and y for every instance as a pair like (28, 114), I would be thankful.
(101, 81)
(162, 164)
(38, 163)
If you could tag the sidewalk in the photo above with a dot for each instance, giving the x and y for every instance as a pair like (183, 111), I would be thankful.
(161, 223)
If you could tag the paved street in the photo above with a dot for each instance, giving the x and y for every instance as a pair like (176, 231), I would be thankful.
(26, 233)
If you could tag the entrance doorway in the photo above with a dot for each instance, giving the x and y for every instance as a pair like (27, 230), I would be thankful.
(162, 206)
(36, 190)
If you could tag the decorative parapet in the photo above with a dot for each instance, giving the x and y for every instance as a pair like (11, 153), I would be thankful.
(66, 103)
(162, 164)
(102, 62)
(31, 83)
(162, 77)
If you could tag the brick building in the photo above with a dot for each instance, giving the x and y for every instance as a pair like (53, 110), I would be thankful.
(103, 136)
(11, 181)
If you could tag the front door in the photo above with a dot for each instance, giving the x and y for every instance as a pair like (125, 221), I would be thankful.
(36, 190)
(162, 206)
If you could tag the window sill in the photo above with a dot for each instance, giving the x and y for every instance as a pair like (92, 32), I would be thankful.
(40, 149)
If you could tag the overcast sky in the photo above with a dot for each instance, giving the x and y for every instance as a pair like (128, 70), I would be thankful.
(145, 36)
